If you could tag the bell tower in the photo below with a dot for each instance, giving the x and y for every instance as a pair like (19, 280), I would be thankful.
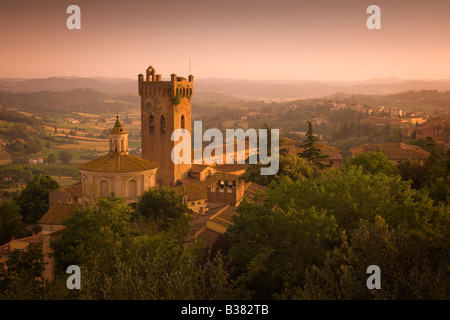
(165, 106)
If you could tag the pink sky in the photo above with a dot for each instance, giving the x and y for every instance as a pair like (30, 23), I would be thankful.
(249, 39)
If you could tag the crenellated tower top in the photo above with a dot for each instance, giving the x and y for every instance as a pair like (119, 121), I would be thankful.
(152, 85)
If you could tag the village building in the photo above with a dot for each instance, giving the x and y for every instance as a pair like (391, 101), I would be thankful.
(396, 152)
(437, 128)
(52, 225)
(18, 244)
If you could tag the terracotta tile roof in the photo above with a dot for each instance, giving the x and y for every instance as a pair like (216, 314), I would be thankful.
(74, 189)
(192, 191)
(196, 190)
(118, 163)
(58, 213)
(252, 190)
(235, 167)
(224, 217)
(330, 151)
(286, 141)
(393, 150)
(208, 235)
(197, 168)
(35, 238)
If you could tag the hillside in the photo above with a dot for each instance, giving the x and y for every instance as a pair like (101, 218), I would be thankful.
(241, 89)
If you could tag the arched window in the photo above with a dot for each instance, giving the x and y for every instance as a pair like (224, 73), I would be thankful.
(163, 124)
(151, 127)
(104, 189)
(182, 122)
(132, 189)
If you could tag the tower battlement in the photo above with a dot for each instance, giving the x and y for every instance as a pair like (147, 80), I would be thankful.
(152, 84)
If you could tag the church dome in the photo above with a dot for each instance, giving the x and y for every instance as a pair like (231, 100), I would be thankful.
(118, 163)
(118, 160)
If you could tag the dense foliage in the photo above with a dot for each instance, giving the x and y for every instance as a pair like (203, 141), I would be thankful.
(312, 236)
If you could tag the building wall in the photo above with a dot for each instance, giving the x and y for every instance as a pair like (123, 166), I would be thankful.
(127, 185)
(197, 205)
(227, 195)
(334, 163)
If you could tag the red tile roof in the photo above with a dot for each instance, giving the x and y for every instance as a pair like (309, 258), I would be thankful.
(58, 213)
(118, 163)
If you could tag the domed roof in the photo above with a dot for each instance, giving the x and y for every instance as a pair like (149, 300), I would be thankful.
(118, 163)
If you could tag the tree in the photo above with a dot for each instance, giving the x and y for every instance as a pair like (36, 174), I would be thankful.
(271, 247)
(11, 224)
(350, 195)
(87, 230)
(47, 145)
(65, 156)
(51, 158)
(414, 264)
(163, 207)
(292, 166)
(22, 278)
(118, 262)
(311, 152)
(33, 200)
(158, 268)
(374, 162)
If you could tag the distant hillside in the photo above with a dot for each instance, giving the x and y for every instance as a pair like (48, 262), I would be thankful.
(59, 84)
(80, 100)
(240, 89)
(282, 90)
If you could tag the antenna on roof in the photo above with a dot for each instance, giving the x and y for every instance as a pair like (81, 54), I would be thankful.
(189, 66)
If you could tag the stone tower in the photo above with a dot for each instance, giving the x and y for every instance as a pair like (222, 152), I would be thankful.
(165, 106)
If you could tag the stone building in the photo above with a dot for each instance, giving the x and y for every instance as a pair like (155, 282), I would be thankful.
(396, 152)
(117, 172)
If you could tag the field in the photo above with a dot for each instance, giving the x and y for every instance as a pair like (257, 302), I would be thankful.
(84, 140)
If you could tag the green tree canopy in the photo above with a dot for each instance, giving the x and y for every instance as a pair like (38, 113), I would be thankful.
(65, 156)
(11, 224)
(290, 165)
(311, 152)
(163, 207)
(22, 278)
(272, 247)
(374, 162)
(33, 200)
(414, 264)
(86, 230)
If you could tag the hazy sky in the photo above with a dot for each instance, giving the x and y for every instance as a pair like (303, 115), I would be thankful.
(265, 39)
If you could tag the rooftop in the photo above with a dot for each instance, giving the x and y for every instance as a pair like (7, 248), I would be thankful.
(393, 150)
(118, 163)
(58, 213)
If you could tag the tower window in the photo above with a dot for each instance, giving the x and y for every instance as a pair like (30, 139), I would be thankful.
(182, 122)
(151, 127)
(163, 124)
